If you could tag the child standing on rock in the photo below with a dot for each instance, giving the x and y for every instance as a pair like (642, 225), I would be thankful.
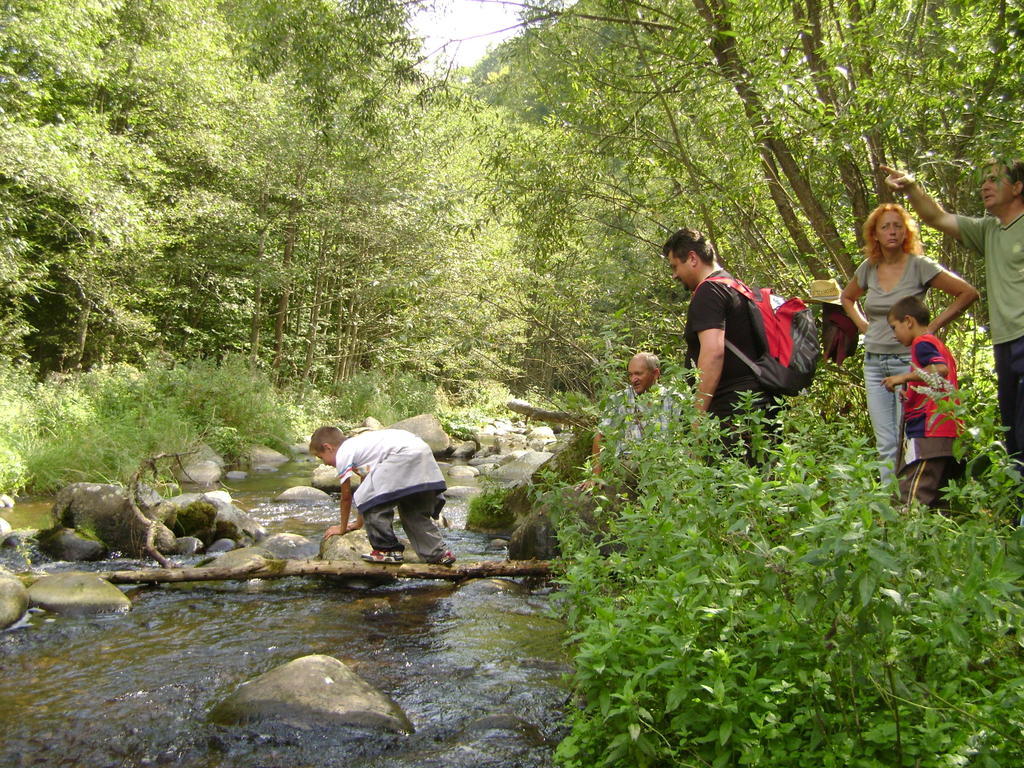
(396, 469)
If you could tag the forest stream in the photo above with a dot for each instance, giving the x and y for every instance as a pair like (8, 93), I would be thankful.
(478, 668)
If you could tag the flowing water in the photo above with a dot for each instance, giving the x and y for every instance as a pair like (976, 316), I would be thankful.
(478, 668)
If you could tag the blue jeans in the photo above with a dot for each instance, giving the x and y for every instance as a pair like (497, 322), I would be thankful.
(884, 407)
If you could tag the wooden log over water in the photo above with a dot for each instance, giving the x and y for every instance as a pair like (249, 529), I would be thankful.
(279, 569)
(559, 417)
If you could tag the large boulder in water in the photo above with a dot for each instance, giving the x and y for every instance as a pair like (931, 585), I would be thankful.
(229, 521)
(62, 543)
(325, 477)
(428, 429)
(13, 599)
(290, 546)
(264, 458)
(520, 470)
(77, 594)
(303, 495)
(311, 692)
(246, 557)
(103, 512)
(204, 466)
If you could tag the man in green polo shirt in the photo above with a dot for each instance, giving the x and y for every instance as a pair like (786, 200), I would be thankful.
(998, 237)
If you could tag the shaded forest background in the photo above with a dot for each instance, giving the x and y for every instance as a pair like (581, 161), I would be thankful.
(284, 181)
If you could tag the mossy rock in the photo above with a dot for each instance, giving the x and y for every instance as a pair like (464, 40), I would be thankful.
(197, 519)
(490, 511)
(567, 463)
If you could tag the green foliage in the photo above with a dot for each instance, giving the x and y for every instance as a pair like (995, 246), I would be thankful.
(100, 425)
(386, 397)
(488, 511)
(791, 616)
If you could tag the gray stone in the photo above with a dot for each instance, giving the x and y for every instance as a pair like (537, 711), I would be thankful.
(189, 545)
(462, 472)
(290, 546)
(235, 475)
(325, 477)
(220, 546)
(371, 423)
(13, 599)
(311, 692)
(67, 544)
(203, 452)
(214, 497)
(427, 428)
(353, 545)
(465, 449)
(520, 470)
(230, 522)
(541, 433)
(487, 469)
(204, 473)
(534, 539)
(77, 594)
(5, 527)
(104, 512)
(6, 501)
(262, 456)
(299, 449)
(239, 558)
(303, 494)
(488, 458)
(512, 441)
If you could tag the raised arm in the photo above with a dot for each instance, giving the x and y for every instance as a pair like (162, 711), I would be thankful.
(931, 213)
(964, 294)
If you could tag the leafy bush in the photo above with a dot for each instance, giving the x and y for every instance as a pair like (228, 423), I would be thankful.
(487, 511)
(791, 616)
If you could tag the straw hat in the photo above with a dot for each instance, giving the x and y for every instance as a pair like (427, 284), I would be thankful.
(824, 292)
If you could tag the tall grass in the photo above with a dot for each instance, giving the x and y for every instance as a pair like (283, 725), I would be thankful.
(100, 425)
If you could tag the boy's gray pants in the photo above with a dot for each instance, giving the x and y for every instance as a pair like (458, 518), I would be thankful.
(416, 513)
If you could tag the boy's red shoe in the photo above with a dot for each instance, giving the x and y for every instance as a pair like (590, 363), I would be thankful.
(388, 558)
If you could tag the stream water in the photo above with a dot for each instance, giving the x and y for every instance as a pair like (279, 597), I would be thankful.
(478, 668)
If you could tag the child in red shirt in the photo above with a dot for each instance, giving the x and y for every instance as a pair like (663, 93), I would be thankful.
(926, 462)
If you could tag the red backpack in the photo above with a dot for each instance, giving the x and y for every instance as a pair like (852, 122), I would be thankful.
(786, 335)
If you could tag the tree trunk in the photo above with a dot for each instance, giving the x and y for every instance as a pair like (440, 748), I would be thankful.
(280, 569)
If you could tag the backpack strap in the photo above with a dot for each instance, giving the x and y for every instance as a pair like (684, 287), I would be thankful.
(744, 290)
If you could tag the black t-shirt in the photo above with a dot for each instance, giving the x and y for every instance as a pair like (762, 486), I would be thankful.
(714, 305)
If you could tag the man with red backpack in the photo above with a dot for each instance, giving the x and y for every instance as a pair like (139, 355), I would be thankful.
(720, 332)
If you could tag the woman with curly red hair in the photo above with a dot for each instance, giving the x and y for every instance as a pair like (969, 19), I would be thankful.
(894, 268)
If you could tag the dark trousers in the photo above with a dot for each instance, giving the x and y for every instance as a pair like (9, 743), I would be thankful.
(737, 438)
(417, 514)
(1010, 382)
(926, 479)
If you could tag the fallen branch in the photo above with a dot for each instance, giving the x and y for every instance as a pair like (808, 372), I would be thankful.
(279, 569)
(540, 414)
(133, 491)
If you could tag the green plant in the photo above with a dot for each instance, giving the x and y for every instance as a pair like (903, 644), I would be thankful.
(487, 511)
(789, 616)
